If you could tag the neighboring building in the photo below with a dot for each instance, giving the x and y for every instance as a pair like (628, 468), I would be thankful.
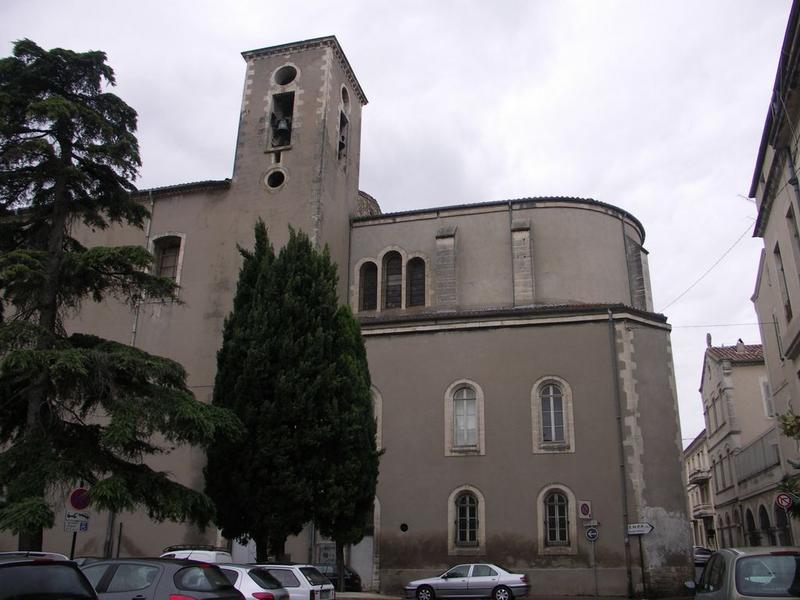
(523, 385)
(699, 492)
(777, 292)
(742, 440)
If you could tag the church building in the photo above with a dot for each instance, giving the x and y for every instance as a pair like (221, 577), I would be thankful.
(523, 385)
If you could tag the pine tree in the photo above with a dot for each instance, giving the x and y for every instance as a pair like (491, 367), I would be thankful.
(77, 407)
(298, 356)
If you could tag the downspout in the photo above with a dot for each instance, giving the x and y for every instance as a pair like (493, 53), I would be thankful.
(511, 252)
(620, 434)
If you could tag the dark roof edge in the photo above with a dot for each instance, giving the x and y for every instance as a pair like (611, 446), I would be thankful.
(181, 188)
(788, 39)
(327, 40)
(518, 201)
(588, 309)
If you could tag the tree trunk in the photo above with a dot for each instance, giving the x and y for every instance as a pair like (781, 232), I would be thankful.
(339, 566)
(278, 548)
(262, 549)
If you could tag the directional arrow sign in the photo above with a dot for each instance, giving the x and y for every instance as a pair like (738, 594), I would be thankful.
(639, 528)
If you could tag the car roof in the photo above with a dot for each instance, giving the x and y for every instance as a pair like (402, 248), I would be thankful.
(153, 560)
(15, 559)
(762, 550)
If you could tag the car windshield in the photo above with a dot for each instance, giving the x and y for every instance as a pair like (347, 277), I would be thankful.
(773, 575)
(43, 580)
(314, 577)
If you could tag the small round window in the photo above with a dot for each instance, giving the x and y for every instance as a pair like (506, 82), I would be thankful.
(285, 75)
(276, 179)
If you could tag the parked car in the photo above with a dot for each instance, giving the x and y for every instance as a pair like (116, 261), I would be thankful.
(701, 555)
(352, 580)
(34, 554)
(83, 561)
(42, 577)
(159, 578)
(479, 580)
(303, 582)
(763, 572)
(254, 582)
(211, 554)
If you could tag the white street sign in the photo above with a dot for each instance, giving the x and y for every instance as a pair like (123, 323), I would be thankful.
(639, 528)
(75, 520)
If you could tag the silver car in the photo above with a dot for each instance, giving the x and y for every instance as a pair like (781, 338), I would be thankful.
(760, 572)
(303, 582)
(478, 580)
(255, 583)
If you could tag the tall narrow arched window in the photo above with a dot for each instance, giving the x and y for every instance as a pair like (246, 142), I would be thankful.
(466, 529)
(552, 413)
(751, 533)
(392, 280)
(416, 282)
(782, 530)
(465, 417)
(765, 526)
(368, 286)
(556, 509)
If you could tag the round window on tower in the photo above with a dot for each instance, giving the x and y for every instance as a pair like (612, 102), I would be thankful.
(285, 75)
(275, 179)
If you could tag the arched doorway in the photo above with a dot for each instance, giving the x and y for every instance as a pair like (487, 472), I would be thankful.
(765, 526)
(751, 533)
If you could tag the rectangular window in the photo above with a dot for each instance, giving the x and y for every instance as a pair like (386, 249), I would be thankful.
(766, 396)
(787, 305)
(794, 232)
(465, 422)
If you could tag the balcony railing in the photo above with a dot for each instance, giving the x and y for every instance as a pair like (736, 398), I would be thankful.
(699, 475)
(702, 510)
(759, 456)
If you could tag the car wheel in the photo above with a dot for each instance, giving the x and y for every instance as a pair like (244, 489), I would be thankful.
(425, 592)
(502, 593)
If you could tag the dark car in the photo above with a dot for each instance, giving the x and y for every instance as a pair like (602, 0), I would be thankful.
(157, 578)
(41, 577)
(352, 580)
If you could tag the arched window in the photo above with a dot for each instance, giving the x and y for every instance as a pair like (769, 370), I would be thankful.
(466, 529)
(783, 531)
(392, 280)
(466, 517)
(416, 282)
(552, 413)
(753, 539)
(368, 286)
(167, 250)
(556, 523)
(765, 526)
(551, 416)
(465, 417)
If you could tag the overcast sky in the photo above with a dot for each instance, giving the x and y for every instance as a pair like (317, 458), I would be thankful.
(656, 107)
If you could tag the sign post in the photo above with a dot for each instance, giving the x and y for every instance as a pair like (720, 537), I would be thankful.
(592, 533)
(76, 518)
(640, 529)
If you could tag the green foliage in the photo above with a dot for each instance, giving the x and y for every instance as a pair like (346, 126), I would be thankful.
(293, 367)
(77, 407)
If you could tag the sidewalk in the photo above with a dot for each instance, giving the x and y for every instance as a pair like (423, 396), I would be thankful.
(376, 596)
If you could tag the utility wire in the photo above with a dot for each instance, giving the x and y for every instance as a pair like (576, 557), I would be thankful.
(711, 268)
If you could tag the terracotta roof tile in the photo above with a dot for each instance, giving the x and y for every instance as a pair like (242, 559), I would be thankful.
(744, 353)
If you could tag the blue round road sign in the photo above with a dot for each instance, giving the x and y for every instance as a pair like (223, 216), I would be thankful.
(592, 534)
(79, 498)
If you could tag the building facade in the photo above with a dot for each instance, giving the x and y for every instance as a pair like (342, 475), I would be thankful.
(776, 296)
(699, 492)
(523, 386)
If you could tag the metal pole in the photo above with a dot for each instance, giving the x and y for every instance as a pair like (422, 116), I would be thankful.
(641, 562)
(594, 568)
(72, 546)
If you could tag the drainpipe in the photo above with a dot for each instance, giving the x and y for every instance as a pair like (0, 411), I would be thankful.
(511, 252)
(620, 434)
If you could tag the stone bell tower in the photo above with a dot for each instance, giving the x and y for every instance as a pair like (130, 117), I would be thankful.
(297, 153)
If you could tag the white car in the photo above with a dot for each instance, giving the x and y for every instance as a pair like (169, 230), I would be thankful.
(209, 554)
(254, 582)
(303, 582)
